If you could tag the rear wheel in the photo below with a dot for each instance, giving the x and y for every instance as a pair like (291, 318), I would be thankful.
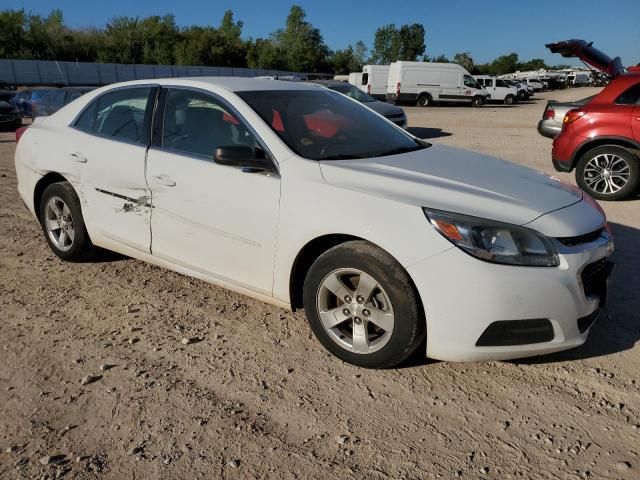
(362, 307)
(424, 100)
(62, 223)
(609, 172)
(508, 100)
(477, 102)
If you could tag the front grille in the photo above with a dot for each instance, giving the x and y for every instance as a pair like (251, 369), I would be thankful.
(580, 239)
(594, 278)
(395, 116)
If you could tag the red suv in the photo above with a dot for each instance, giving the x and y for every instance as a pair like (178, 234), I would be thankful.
(601, 139)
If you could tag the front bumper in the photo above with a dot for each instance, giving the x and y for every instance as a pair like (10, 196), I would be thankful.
(464, 296)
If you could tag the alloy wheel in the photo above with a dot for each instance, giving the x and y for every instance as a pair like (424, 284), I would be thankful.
(59, 223)
(355, 310)
(607, 173)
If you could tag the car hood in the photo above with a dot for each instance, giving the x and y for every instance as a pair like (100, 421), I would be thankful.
(588, 54)
(384, 109)
(455, 180)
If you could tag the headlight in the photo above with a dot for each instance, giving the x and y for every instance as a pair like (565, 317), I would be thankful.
(493, 241)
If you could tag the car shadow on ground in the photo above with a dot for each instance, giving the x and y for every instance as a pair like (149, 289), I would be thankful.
(427, 133)
(619, 328)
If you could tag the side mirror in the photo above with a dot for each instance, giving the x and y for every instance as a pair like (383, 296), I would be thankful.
(247, 158)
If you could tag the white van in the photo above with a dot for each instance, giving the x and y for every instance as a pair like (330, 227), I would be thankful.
(355, 79)
(498, 89)
(578, 79)
(374, 80)
(424, 83)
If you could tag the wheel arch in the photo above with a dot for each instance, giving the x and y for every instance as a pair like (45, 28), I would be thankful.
(44, 182)
(316, 247)
(596, 142)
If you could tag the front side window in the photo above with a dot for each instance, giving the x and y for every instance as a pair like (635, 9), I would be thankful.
(119, 114)
(197, 123)
(324, 125)
(469, 81)
(501, 83)
(631, 96)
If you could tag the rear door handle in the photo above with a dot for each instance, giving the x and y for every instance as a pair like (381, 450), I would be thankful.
(164, 180)
(78, 157)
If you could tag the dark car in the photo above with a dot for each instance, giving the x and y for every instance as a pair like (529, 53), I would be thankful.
(10, 115)
(25, 99)
(387, 110)
(54, 100)
(601, 138)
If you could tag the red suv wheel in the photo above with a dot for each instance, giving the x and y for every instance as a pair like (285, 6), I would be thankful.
(609, 172)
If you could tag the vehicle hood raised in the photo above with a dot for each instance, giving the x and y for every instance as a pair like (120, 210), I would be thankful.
(588, 54)
(455, 180)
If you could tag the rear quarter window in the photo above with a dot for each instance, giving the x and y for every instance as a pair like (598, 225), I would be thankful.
(631, 96)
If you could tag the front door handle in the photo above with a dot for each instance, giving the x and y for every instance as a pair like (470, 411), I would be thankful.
(164, 180)
(78, 157)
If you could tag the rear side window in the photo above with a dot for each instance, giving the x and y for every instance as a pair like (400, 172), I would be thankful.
(365, 78)
(119, 114)
(630, 97)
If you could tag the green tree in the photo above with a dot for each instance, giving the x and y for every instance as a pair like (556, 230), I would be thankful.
(464, 59)
(386, 45)
(12, 34)
(411, 42)
(533, 64)
(301, 43)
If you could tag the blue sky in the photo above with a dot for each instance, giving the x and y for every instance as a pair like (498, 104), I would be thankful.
(485, 28)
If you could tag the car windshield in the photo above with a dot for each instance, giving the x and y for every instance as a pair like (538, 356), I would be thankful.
(353, 92)
(324, 125)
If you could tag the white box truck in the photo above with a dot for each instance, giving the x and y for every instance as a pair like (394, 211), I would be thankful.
(374, 80)
(425, 83)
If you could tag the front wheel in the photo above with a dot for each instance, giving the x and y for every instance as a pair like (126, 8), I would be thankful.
(477, 102)
(508, 100)
(362, 307)
(609, 172)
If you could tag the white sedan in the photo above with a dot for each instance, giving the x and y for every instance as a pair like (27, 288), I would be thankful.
(299, 196)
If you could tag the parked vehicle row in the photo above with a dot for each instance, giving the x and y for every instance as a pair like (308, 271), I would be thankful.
(428, 83)
(43, 101)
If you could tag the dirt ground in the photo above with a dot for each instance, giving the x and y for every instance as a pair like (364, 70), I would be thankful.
(255, 396)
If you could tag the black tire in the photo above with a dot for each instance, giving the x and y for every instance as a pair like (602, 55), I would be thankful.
(477, 102)
(81, 248)
(508, 100)
(585, 177)
(409, 328)
(424, 100)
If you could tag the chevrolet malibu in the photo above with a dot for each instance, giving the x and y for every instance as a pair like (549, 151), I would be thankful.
(299, 196)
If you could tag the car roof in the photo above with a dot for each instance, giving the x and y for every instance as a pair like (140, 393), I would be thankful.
(233, 84)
